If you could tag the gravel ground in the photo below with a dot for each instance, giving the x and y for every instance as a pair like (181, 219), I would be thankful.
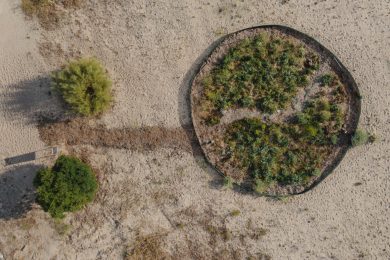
(151, 50)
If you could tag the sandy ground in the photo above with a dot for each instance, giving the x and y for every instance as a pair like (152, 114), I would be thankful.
(151, 50)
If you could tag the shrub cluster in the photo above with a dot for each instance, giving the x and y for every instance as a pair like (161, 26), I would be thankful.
(284, 153)
(66, 187)
(262, 72)
(85, 86)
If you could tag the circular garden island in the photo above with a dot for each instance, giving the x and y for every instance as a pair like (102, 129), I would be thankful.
(274, 110)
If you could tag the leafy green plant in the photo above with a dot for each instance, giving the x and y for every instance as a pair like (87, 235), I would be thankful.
(66, 187)
(85, 86)
(327, 80)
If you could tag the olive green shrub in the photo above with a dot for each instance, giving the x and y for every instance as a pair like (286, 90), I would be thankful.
(85, 86)
(361, 137)
(66, 187)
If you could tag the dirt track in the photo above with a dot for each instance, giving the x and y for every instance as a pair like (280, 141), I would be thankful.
(78, 132)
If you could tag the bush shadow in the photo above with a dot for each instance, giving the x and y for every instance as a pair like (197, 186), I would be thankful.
(31, 100)
(17, 192)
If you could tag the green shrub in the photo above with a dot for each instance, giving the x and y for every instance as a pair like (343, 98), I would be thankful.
(334, 139)
(66, 187)
(327, 80)
(85, 86)
(360, 137)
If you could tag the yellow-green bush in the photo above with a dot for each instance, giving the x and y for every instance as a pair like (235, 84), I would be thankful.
(85, 86)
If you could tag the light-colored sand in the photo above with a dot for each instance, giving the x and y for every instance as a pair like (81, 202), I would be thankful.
(151, 50)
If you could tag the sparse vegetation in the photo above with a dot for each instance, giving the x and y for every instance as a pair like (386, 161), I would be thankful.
(66, 187)
(257, 233)
(61, 227)
(228, 182)
(235, 213)
(47, 11)
(147, 247)
(26, 224)
(85, 86)
(361, 137)
(31, 7)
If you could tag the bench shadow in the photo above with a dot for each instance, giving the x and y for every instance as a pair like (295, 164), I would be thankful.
(17, 192)
(31, 100)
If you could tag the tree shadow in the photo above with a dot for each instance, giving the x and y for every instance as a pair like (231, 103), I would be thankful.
(17, 192)
(31, 100)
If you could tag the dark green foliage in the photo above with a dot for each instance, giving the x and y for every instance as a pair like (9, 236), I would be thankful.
(270, 153)
(66, 187)
(284, 153)
(334, 139)
(85, 86)
(327, 80)
(262, 72)
(320, 122)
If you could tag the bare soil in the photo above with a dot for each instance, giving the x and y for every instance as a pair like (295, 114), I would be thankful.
(152, 50)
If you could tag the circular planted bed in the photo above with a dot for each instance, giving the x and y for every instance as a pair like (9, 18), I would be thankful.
(273, 109)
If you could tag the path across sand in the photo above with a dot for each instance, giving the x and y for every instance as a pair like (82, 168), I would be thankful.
(21, 66)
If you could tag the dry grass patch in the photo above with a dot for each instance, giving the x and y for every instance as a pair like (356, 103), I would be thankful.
(147, 247)
(48, 12)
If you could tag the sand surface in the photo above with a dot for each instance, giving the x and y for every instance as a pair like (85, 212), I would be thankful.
(151, 49)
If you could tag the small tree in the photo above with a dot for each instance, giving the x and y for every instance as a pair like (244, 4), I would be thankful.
(66, 187)
(85, 86)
